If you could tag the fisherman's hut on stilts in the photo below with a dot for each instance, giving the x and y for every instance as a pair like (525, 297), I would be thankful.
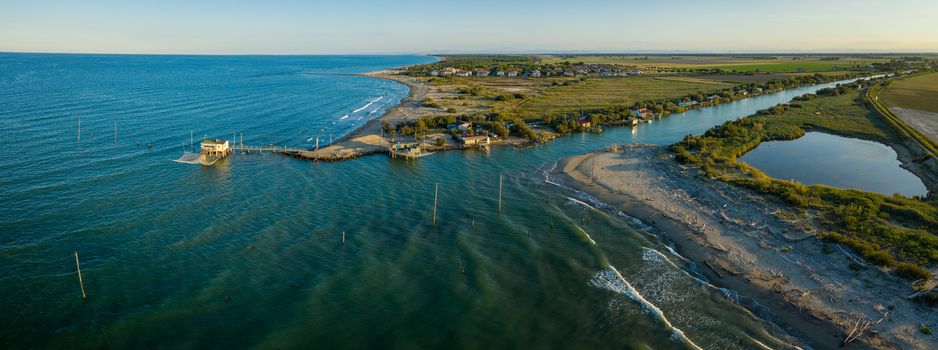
(211, 152)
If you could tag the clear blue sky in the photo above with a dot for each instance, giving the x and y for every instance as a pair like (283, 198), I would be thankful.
(423, 26)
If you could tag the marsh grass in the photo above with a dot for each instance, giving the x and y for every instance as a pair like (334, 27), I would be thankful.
(893, 231)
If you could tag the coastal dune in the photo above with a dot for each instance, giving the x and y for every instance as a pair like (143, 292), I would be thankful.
(757, 246)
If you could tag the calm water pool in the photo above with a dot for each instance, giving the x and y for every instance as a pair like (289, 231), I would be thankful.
(824, 159)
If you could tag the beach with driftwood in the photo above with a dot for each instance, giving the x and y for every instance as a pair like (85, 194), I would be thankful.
(758, 246)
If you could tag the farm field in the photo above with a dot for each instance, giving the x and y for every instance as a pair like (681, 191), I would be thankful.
(606, 92)
(728, 63)
(919, 93)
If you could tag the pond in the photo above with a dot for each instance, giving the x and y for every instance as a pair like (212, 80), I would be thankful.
(824, 159)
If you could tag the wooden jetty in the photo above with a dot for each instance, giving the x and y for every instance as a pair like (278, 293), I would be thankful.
(271, 148)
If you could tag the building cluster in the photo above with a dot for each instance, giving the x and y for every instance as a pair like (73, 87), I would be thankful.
(471, 134)
(546, 70)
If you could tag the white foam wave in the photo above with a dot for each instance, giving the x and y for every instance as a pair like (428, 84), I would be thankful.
(610, 279)
(577, 201)
(587, 234)
(368, 105)
(343, 117)
(379, 107)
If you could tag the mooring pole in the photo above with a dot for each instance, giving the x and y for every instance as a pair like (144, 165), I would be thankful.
(343, 237)
(592, 169)
(115, 132)
(80, 282)
(79, 130)
(499, 193)
(436, 192)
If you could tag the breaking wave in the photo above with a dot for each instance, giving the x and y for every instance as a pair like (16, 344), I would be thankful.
(368, 105)
(610, 279)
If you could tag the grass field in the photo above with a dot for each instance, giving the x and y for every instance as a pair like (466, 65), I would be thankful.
(607, 92)
(780, 64)
(919, 93)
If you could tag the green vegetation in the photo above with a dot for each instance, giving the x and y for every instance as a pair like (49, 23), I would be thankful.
(925, 330)
(929, 146)
(892, 231)
(919, 92)
(731, 64)
(596, 93)
(675, 102)
(473, 61)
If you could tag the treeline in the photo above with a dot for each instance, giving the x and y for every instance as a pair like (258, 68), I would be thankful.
(470, 62)
(497, 123)
(619, 115)
(892, 231)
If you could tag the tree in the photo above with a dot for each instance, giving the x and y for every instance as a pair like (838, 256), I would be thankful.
(499, 129)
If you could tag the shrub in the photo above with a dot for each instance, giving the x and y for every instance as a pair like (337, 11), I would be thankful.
(911, 271)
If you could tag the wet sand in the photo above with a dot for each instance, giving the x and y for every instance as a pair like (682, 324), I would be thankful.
(757, 246)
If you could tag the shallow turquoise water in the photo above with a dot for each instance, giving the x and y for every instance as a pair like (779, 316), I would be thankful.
(249, 252)
(823, 159)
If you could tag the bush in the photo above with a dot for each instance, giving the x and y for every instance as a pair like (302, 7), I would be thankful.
(911, 271)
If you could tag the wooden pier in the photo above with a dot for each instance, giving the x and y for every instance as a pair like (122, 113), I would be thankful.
(274, 149)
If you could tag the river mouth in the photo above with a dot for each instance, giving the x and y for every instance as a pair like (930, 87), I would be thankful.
(819, 158)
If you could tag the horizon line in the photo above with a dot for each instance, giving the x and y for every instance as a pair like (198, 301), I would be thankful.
(490, 53)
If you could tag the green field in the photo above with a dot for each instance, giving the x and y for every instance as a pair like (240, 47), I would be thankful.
(607, 92)
(779, 64)
(919, 93)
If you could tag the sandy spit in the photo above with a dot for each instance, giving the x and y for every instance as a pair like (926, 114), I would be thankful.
(756, 246)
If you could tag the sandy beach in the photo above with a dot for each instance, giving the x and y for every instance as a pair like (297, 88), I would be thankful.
(367, 139)
(758, 247)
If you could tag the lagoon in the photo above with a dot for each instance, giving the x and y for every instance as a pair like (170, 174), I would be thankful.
(823, 159)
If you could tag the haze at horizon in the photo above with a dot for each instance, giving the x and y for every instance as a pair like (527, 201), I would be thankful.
(421, 26)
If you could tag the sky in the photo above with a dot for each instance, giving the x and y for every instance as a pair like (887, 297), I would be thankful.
(477, 26)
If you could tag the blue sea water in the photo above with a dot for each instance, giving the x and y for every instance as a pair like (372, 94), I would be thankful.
(250, 252)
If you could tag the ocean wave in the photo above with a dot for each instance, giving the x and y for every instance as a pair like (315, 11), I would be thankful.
(368, 105)
(587, 235)
(610, 279)
(379, 107)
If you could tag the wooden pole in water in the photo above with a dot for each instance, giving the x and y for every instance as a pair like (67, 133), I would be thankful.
(343, 237)
(79, 130)
(499, 193)
(592, 169)
(436, 192)
(115, 132)
(242, 139)
(80, 282)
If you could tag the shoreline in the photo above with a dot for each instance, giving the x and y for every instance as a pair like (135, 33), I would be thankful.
(753, 245)
(367, 139)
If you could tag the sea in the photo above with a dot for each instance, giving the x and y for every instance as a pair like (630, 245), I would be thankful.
(265, 251)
